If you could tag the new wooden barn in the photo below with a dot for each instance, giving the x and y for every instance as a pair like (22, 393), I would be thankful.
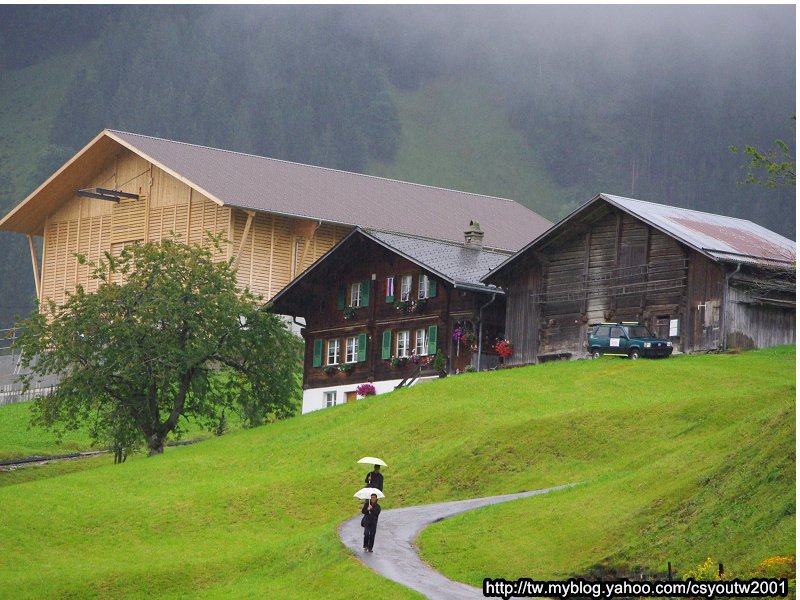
(278, 216)
(704, 281)
(380, 305)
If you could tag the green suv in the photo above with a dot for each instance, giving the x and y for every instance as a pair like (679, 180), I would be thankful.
(626, 339)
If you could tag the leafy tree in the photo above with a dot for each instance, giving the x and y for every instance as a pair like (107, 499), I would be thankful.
(167, 334)
(771, 168)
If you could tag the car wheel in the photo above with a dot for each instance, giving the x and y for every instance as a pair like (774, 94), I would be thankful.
(595, 354)
(634, 354)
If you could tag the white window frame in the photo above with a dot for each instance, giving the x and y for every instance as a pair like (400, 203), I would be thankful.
(352, 350)
(330, 398)
(403, 345)
(337, 344)
(405, 288)
(388, 279)
(355, 295)
(423, 286)
(421, 344)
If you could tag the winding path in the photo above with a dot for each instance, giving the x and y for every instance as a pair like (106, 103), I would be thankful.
(395, 556)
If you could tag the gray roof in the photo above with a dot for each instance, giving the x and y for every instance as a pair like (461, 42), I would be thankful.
(269, 185)
(456, 263)
(720, 238)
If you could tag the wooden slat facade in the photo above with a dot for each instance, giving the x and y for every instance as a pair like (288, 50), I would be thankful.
(610, 266)
(272, 255)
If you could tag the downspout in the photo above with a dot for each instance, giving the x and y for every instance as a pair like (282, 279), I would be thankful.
(724, 327)
(305, 347)
(480, 329)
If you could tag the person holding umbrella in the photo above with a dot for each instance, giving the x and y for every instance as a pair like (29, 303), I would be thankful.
(371, 510)
(374, 478)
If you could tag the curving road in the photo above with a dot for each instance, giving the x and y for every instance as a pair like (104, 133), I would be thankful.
(395, 556)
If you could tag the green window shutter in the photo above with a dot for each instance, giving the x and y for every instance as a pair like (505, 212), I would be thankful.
(432, 332)
(390, 298)
(340, 298)
(365, 292)
(386, 347)
(317, 354)
(431, 288)
(362, 347)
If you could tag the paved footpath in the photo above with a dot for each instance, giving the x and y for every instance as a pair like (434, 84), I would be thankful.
(395, 556)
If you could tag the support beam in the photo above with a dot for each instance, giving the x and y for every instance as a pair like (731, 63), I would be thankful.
(250, 216)
(310, 233)
(35, 262)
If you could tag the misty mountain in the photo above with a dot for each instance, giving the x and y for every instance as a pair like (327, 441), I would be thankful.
(638, 101)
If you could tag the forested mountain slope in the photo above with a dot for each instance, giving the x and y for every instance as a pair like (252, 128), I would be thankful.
(540, 104)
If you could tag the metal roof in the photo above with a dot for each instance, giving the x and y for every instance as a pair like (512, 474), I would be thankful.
(277, 186)
(720, 238)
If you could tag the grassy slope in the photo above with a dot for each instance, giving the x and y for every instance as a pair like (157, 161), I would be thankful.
(454, 135)
(697, 472)
(710, 446)
(18, 439)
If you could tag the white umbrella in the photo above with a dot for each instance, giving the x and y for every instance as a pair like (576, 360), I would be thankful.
(371, 460)
(365, 493)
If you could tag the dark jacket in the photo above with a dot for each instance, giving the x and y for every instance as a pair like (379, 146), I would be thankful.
(374, 479)
(371, 515)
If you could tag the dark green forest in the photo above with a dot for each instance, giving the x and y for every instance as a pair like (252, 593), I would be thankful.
(637, 101)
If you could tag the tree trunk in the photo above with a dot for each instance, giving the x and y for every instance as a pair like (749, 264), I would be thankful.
(155, 445)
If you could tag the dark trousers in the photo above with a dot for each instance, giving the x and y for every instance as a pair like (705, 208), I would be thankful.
(369, 535)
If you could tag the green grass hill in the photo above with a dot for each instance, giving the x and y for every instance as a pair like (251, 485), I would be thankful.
(678, 460)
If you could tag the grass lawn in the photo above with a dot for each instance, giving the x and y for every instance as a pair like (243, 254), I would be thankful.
(681, 459)
(18, 439)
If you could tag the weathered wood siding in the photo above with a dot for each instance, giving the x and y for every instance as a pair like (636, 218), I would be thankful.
(754, 324)
(703, 305)
(274, 252)
(522, 320)
(610, 266)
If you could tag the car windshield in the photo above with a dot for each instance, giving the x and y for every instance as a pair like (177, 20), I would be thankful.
(638, 331)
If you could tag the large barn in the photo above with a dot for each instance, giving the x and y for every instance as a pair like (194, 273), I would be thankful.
(279, 216)
(704, 281)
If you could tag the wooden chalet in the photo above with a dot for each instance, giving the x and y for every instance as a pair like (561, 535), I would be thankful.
(379, 306)
(704, 281)
(278, 216)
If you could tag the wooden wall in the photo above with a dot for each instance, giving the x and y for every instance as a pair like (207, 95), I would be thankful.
(269, 257)
(751, 323)
(607, 266)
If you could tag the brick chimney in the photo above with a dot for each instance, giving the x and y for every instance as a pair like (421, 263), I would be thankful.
(473, 236)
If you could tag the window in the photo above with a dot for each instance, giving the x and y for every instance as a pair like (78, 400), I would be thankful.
(355, 295)
(602, 331)
(405, 288)
(330, 399)
(403, 350)
(421, 348)
(334, 347)
(390, 289)
(423, 286)
(352, 349)
(616, 332)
